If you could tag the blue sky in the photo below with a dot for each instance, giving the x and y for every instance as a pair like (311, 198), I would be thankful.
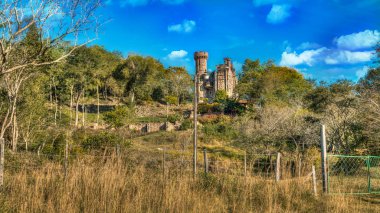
(323, 39)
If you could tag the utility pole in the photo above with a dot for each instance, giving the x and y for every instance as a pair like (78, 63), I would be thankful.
(195, 137)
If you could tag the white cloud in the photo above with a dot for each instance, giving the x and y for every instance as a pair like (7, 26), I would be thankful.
(187, 26)
(308, 46)
(278, 13)
(324, 55)
(362, 72)
(348, 57)
(177, 54)
(307, 57)
(133, 3)
(360, 40)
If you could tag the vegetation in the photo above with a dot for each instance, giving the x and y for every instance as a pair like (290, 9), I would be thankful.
(119, 187)
(56, 96)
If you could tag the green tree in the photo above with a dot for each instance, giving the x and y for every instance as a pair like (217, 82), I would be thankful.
(140, 76)
(267, 83)
(178, 82)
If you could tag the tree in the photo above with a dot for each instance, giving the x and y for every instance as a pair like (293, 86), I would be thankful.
(273, 128)
(31, 32)
(55, 21)
(266, 83)
(178, 82)
(369, 93)
(338, 106)
(140, 76)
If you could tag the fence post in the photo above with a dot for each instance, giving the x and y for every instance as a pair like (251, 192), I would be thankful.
(368, 173)
(2, 161)
(118, 150)
(324, 158)
(195, 132)
(299, 166)
(66, 157)
(278, 167)
(245, 164)
(163, 164)
(314, 180)
(205, 160)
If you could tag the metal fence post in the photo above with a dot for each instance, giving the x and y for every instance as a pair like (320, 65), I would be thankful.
(324, 158)
(2, 161)
(278, 167)
(205, 160)
(369, 173)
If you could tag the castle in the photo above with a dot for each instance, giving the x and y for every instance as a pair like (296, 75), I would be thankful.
(223, 78)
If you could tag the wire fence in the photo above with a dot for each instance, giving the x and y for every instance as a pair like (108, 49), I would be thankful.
(353, 174)
(170, 162)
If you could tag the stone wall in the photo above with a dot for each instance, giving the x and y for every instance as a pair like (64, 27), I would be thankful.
(154, 127)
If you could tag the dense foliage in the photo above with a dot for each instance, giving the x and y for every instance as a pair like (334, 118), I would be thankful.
(277, 109)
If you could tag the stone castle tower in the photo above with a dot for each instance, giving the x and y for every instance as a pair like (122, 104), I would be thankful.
(223, 78)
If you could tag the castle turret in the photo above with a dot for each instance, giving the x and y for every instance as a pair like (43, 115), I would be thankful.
(200, 62)
(227, 62)
(201, 73)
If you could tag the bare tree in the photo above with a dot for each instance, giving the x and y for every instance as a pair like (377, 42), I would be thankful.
(55, 21)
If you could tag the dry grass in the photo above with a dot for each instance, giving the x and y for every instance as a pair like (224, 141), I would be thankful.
(115, 186)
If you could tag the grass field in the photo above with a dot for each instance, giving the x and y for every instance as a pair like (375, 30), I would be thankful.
(137, 184)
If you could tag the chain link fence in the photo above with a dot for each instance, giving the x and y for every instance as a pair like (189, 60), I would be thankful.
(353, 174)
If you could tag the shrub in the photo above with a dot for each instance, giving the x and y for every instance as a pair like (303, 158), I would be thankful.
(210, 108)
(186, 124)
(157, 94)
(118, 117)
(221, 96)
(233, 107)
(174, 118)
(224, 131)
(101, 139)
(171, 100)
(208, 118)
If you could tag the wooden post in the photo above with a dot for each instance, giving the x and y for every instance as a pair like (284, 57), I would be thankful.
(163, 164)
(278, 167)
(324, 158)
(299, 167)
(245, 164)
(314, 180)
(205, 160)
(2, 161)
(118, 150)
(66, 157)
(195, 137)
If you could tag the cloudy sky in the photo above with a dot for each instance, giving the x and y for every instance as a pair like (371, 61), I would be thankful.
(323, 39)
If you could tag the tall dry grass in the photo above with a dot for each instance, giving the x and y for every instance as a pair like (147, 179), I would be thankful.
(115, 186)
